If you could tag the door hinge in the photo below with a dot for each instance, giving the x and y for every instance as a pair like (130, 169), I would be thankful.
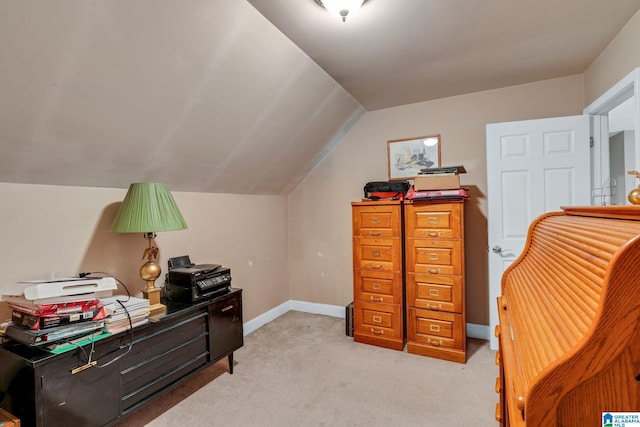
(590, 142)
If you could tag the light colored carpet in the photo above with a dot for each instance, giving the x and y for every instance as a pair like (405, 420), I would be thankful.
(301, 370)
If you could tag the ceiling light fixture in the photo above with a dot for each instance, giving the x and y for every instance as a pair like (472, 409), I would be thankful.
(341, 7)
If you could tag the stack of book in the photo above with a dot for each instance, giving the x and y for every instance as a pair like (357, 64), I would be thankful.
(445, 181)
(124, 312)
(457, 193)
(438, 184)
(49, 312)
(43, 316)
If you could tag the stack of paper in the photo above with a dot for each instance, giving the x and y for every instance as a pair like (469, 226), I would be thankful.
(118, 306)
(45, 312)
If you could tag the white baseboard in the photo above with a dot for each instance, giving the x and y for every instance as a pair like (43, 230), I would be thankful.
(481, 332)
(473, 331)
(314, 308)
(266, 317)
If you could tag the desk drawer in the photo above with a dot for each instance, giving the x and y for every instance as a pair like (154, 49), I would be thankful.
(441, 220)
(142, 381)
(378, 254)
(442, 257)
(378, 320)
(226, 326)
(378, 287)
(435, 328)
(376, 220)
(434, 292)
(162, 354)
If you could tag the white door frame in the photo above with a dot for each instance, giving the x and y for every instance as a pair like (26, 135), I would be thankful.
(626, 88)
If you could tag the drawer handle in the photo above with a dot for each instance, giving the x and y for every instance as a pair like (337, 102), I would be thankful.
(83, 367)
(434, 328)
(379, 299)
(432, 220)
(434, 292)
(378, 267)
(375, 254)
(227, 308)
(433, 233)
(498, 412)
(377, 331)
(435, 307)
(375, 221)
(433, 270)
(518, 389)
(498, 385)
(498, 358)
(435, 343)
(377, 319)
(375, 233)
(376, 286)
(433, 257)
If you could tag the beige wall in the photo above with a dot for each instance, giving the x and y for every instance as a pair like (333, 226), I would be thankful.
(319, 208)
(65, 230)
(619, 58)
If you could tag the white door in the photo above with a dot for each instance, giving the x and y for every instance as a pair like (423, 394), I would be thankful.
(533, 167)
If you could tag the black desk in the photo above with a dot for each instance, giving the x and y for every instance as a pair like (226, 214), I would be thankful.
(41, 390)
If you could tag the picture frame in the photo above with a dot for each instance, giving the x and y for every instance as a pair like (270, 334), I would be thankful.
(406, 157)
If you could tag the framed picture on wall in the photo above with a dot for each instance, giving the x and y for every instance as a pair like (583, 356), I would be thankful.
(407, 156)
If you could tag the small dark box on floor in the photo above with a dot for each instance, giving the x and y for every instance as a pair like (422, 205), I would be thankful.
(349, 319)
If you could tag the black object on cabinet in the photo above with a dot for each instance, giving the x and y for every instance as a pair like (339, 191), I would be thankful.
(41, 390)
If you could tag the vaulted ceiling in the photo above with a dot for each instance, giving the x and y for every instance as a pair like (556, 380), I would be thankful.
(404, 51)
(237, 96)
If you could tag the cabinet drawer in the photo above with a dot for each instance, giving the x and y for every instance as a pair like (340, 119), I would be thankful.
(435, 220)
(225, 333)
(65, 397)
(384, 287)
(434, 292)
(435, 328)
(376, 220)
(161, 338)
(441, 257)
(377, 254)
(141, 381)
(379, 320)
(161, 354)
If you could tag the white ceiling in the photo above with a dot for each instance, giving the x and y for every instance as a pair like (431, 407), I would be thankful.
(209, 96)
(396, 52)
(203, 95)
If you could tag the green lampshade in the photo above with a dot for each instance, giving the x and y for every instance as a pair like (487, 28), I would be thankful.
(148, 207)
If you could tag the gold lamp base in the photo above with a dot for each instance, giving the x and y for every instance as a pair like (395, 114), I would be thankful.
(634, 195)
(155, 306)
(149, 272)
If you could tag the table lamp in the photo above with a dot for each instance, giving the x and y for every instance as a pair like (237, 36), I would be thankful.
(148, 208)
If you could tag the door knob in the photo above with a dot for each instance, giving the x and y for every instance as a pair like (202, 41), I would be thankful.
(496, 249)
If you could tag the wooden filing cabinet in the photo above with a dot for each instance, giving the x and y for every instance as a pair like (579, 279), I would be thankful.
(434, 250)
(378, 274)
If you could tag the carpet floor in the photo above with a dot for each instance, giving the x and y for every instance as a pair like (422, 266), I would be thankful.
(301, 370)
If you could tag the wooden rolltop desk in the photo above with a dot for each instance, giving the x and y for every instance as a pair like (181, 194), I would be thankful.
(569, 320)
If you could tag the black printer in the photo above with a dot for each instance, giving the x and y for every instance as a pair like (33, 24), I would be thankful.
(190, 282)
